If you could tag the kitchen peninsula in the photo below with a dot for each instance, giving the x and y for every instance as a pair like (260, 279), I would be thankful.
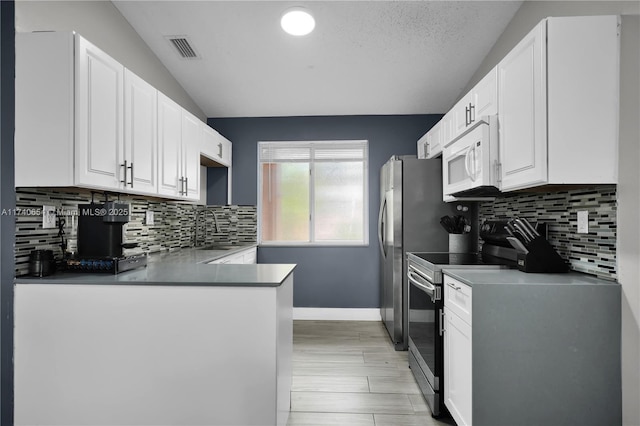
(178, 342)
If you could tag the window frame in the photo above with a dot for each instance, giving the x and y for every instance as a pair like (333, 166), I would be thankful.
(312, 217)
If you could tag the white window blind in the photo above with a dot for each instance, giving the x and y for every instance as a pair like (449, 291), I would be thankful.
(313, 192)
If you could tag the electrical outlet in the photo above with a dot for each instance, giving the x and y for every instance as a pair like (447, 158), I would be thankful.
(48, 217)
(149, 218)
(583, 222)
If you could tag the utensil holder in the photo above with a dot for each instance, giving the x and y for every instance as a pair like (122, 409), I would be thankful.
(460, 243)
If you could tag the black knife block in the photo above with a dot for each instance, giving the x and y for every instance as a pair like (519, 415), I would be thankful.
(542, 257)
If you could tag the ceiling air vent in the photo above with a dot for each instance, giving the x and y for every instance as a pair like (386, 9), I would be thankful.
(183, 46)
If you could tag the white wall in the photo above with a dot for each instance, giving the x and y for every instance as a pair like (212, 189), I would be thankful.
(103, 25)
(628, 252)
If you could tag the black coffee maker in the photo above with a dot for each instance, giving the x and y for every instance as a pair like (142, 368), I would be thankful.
(100, 229)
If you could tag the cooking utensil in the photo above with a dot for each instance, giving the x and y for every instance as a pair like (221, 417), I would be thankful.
(448, 224)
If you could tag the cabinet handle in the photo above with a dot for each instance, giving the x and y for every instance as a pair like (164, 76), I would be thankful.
(453, 286)
(497, 171)
(130, 168)
(466, 116)
(125, 173)
(186, 186)
(181, 192)
(220, 150)
(442, 330)
(472, 113)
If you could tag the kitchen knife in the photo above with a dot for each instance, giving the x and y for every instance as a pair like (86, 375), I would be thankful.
(517, 244)
(530, 227)
(525, 229)
(522, 232)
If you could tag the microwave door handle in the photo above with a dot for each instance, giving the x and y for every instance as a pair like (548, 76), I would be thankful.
(467, 157)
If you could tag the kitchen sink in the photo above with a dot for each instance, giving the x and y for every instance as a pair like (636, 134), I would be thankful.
(220, 247)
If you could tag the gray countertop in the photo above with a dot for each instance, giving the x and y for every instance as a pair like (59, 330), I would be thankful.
(515, 277)
(183, 267)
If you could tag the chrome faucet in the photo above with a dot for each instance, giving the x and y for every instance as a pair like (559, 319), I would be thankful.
(203, 213)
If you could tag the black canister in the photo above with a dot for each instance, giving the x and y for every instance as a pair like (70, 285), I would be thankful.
(41, 263)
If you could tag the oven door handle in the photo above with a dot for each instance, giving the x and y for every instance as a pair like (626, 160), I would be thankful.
(428, 288)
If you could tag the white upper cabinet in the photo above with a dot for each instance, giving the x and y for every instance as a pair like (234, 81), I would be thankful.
(558, 104)
(99, 116)
(179, 138)
(139, 171)
(481, 100)
(215, 147)
(84, 120)
(430, 145)
(169, 147)
(190, 155)
(523, 119)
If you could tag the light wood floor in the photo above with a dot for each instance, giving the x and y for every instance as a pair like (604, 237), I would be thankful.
(346, 373)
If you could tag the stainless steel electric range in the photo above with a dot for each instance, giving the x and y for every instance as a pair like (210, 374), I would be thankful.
(426, 308)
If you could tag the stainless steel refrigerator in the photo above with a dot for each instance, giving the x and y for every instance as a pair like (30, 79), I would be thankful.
(408, 221)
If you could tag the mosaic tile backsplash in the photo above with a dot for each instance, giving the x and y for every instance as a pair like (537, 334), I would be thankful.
(593, 253)
(176, 224)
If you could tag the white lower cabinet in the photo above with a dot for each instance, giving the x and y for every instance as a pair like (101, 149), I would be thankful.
(457, 351)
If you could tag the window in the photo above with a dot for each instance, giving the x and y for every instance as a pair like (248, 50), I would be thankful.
(313, 192)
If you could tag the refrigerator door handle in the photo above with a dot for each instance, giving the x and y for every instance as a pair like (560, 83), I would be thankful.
(383, 205)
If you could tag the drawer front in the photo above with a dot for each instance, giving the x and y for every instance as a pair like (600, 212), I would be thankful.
(457, 297)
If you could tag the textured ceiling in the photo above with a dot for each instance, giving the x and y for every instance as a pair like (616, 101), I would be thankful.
(364, 57)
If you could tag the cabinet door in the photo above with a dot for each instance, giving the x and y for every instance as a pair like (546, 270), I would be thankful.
(522, 103)
(461, 112)
(434, 140)
(422, 146)
(99, 116)
(169, 146)
(485, 95)
(457, 368)
(215, 146)
(140, 135)
(191, 141)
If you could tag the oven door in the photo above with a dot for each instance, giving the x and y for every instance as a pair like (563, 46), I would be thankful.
(425, 339)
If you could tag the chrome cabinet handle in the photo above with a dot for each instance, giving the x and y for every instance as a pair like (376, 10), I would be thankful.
(130, 168)
(453, 286)
(442, 315)
(472, 113)
(220, 150)
(125, 173)
(186, 186)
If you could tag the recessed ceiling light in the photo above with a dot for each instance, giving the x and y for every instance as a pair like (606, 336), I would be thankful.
(297, 21)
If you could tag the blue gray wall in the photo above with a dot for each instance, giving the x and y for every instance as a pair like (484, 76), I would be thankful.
(8, 202)
(328, 277)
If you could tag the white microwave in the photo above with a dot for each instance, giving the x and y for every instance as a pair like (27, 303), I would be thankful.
(470, 162)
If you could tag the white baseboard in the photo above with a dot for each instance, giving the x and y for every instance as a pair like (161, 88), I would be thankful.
(337, 314)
